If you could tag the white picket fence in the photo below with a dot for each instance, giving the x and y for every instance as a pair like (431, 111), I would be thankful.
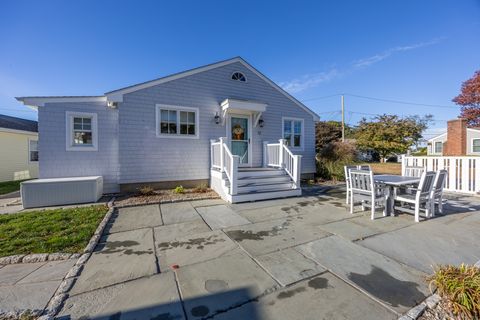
(463, 172)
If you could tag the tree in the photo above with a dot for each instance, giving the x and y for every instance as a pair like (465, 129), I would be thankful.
(327, 132)
(390, 134)
(469, 99)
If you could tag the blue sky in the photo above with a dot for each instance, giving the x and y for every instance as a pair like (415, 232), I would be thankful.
(414, 51)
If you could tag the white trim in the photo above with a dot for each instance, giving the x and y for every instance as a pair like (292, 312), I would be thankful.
(242, 73)
(471, 146)
(117, 95)
(29, 160)
(436, 137)
(69, 146)
(302, 138)
(473, 129)
(246, 105)
(7, 130)
(250, 131)
(41, 101)
(178, 135)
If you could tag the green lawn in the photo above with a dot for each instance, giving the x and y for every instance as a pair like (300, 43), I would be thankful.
(48, 231)
(9, 186)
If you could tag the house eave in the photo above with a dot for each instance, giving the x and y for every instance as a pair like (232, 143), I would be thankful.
(36, 102)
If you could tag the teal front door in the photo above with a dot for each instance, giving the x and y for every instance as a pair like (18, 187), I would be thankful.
(240, 139)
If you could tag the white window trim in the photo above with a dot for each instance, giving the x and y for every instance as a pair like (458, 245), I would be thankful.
(29, 160)
(302, 138)
(178, 135)
(69, 115)
(435, 147)
(246, 80)
(471, 144)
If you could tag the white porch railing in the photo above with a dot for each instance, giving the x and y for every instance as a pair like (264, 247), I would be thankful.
(463, 172)
(223, 160)
(278, 155)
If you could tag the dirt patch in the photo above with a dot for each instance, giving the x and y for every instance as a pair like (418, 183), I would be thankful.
(161, 196)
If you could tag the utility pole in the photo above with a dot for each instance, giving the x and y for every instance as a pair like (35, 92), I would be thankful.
(343, 118)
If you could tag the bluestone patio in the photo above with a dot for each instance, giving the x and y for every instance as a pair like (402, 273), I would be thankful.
(291, 258)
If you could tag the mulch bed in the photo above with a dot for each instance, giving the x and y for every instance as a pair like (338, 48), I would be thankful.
(437, 313)
(161, 196)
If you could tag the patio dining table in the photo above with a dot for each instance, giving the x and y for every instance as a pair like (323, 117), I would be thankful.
(392, 182)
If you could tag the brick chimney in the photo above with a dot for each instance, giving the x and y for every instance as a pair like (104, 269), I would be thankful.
(456, 144)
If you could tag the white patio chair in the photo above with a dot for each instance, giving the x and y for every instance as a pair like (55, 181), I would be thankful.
(365, 191)
(420, 199)
(347, 181)
(437, 191)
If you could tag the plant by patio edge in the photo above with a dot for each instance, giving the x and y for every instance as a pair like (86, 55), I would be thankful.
(459, 287)
(10, 186)
(48, 231)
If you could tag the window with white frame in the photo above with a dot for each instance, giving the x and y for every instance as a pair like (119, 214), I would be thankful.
(82, 132)
(181, 122)
(33, 150)
(438, 147)
(476, 145)
(293, 132)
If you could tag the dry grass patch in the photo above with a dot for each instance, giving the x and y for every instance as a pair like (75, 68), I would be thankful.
(159, 196)
(386, 168)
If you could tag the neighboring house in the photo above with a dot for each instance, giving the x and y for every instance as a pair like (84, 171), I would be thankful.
(162, 132)
(19, 149)
(459, 140)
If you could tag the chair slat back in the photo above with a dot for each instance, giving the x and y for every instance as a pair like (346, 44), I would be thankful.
(426, 183)
(439, 183)
(364, 167)
(347, 171)
(362, 180)
(414, 171)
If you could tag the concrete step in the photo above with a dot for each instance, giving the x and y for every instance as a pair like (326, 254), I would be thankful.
(254, 196)
(264, 187)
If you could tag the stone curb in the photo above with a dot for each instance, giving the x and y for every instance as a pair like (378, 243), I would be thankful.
(61, 294)
(168, 201)
(56, 302)
(417, 311)
(35, 257)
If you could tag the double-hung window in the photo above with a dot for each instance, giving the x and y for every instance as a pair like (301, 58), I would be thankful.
(177, 122)
(476, 145)
(82, 131)
(293, 132)
(33, 150)
(438, 147)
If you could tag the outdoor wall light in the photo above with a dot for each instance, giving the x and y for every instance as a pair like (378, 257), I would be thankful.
(261, 123)
(217, 118)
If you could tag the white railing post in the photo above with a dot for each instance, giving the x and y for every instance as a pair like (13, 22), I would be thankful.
(404, 159)
(265, 154)
(280, 151)
(297, 167)
(212, 141)
(222, 160)
(233, 173)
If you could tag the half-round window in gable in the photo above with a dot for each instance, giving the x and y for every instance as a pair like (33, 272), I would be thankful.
(238, 76)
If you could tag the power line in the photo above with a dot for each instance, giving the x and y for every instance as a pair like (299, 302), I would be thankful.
(401, 102)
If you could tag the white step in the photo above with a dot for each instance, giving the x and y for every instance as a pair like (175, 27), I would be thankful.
(260, 173)
(263, 180)
(266, 195)
(265, 187)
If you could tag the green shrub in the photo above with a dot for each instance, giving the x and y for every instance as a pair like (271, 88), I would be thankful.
(332, 158)
(146, 191)
(460, 289)
(179, 189)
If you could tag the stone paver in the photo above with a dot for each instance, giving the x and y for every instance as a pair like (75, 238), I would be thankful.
(34, 296)
(397, 286)
(431, 243)
(207, 203)
(215, 285)
(349, 229)
(221, 216)
(52, 270)
(12, 273)
(154, 297)
(265, 237)
(289, 266)
(322, 297)
(124, 256)
(191, 249)
(178, 212)
(172, 231)
(134, 218)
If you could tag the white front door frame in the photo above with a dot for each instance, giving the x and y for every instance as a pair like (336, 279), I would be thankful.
(250, 140)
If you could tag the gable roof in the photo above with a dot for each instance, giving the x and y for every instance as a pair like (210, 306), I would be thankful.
(13, 123)
(117, 95)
